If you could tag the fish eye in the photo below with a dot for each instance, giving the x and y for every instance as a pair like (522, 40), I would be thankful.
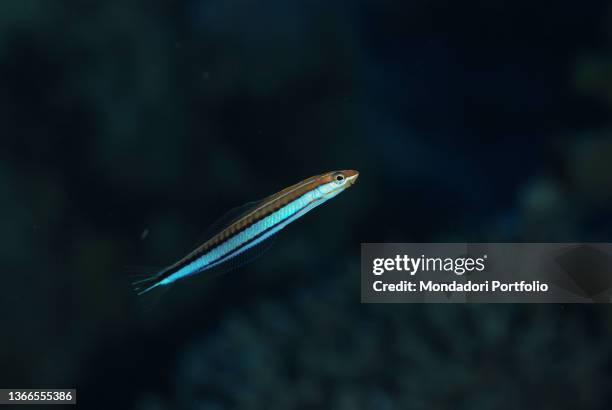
(339, 178)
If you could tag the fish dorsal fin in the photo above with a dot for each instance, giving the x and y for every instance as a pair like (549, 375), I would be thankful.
(245, 257)
(217, 226)
(229, 218)
(238, 212)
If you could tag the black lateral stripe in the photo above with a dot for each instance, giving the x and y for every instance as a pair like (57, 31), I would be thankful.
(255, 237)
(201, 252)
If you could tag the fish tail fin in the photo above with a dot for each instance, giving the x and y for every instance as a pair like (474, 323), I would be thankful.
(149, 288)
(143, 283)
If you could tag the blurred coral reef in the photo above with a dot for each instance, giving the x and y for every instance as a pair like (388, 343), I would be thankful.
(313, 349)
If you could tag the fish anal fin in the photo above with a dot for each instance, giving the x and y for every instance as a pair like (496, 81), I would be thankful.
(239, 260)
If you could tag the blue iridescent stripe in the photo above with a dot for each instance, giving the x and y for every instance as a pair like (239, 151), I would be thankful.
(251, 236)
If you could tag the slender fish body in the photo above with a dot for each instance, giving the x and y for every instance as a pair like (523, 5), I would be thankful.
(253, 227)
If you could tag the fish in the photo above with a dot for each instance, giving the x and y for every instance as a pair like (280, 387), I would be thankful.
(251, 226)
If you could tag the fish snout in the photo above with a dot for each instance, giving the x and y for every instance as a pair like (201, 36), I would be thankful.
(351, 176)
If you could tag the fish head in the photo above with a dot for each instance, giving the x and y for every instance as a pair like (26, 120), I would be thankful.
(334, 182)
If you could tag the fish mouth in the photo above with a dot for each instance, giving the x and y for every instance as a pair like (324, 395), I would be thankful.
(351, 176)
